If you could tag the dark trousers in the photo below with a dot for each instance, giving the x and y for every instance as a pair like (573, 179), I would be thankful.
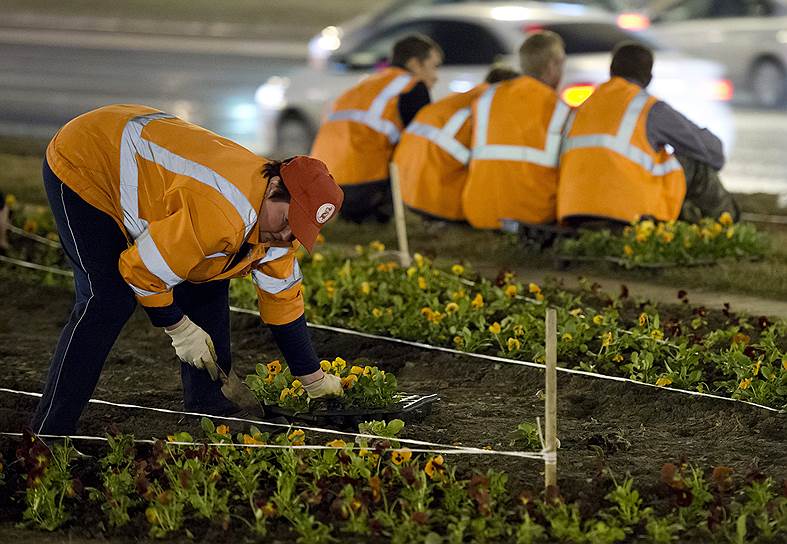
(367, 201)
(705, 194)
(93, 243)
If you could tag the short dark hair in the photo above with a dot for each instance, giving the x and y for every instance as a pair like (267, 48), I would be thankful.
(632, 60)
(500, 73)
(272, 169)
(417, 46)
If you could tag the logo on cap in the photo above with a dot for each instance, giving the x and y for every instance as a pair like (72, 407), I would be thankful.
(325, 212)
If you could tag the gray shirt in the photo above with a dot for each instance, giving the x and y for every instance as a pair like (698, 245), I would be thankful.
(665, 126)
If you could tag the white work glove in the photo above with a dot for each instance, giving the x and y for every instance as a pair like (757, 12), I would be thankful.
(194, 346)
(327, 386)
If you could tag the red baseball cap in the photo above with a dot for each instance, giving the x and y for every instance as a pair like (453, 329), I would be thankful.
(315, 197)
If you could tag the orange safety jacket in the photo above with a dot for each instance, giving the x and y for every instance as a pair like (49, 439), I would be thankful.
(517, 126)
(357, 138)
(433, 154)
(186, 199)
(609, 168)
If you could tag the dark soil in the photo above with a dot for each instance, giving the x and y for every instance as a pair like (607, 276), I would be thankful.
(630, 429)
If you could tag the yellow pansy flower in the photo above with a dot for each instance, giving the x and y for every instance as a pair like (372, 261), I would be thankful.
(510, 291)
(418, 259)
(628, 250)
(325, 365)
(730, 233)
(339, 363)
(478, 301)
(366, 288)
(377, 312)
(284, 393)
(458, 269)
(274, 367)
(451, 308)
(576, 312)
(757, 365)
(349, 381)
(533, 287)
(643, 319)
(514, 344)
(377, 246)
(745, 383)
(656, 334)
(664, 381)
(617, 358)
(458, 341)
(401, 455)
(606, 339)
(357, 370)
(495, 328)
(296, 437)
(318, 258)
(10, 200)
(540, 297)
(667, 237)
(296, 384)
(519, 330)
(223, 430)
(434, 467)
(458, 295)
(598, 319)
(411, 271)
(421, 282)
(427, 312)
(338, 443)
(725, 219)
(567, 337)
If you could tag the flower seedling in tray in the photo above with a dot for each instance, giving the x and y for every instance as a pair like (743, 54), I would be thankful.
(367, 391)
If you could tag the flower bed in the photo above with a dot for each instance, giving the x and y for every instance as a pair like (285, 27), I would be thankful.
(673, 243)
(729, 354)
(370, 489)
(364, 386)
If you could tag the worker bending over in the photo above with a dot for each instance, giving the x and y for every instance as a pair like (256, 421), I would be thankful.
(434, 152)
(516, 141)
(615, 164)
(155, 210)
(357, 138)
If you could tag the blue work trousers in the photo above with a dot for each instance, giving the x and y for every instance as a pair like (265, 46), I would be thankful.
(93, 242)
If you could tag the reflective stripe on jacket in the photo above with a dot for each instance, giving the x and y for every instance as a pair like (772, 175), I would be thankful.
(186, 198)
(609, 168)
(516, 144)
(433, 154)
(357, 138)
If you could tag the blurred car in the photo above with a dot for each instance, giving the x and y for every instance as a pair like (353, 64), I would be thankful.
(474, 36)
(749, 37)
(353, 32)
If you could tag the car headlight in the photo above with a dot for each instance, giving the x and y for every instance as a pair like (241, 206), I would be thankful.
(326, 42)
(271, 94)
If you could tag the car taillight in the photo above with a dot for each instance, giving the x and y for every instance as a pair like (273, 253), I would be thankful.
(633, 21)
(722, 90)
(575, 95)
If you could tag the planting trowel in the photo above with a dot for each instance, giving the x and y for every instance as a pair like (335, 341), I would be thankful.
(239, 393)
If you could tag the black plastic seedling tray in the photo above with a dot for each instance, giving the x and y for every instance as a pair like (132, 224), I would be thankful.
(408, 407)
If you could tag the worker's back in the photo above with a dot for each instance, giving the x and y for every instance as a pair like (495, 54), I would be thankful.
(433, 154)
(357, 138)
(513, 165)
(608, 168)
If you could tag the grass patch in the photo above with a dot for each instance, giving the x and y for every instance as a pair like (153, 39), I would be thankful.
(302, 17)
(20, 174)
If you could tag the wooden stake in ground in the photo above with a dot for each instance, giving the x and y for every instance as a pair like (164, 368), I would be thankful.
(401, 227)
(550, 404)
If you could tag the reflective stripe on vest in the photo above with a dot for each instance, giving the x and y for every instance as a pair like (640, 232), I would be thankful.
(131, 145)
(373, 117)
(543, 157)
(272, 285)
(620, 143)
(445, 137)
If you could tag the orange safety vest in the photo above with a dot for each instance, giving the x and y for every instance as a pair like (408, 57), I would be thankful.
(433, 154)
(516, 146)
(357, 138)
(608, 167)
(186, 199)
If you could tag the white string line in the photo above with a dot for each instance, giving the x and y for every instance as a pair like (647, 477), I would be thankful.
(285, 425)
(32, 236)
(350, 446)
(36, 266)
(497, 359)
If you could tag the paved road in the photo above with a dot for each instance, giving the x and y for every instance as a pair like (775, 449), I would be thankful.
(43, 86)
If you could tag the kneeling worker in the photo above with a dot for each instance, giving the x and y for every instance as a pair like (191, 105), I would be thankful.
(155, 210)
(614, 164)
(358, 136)
(433, 154)
(516, 141)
